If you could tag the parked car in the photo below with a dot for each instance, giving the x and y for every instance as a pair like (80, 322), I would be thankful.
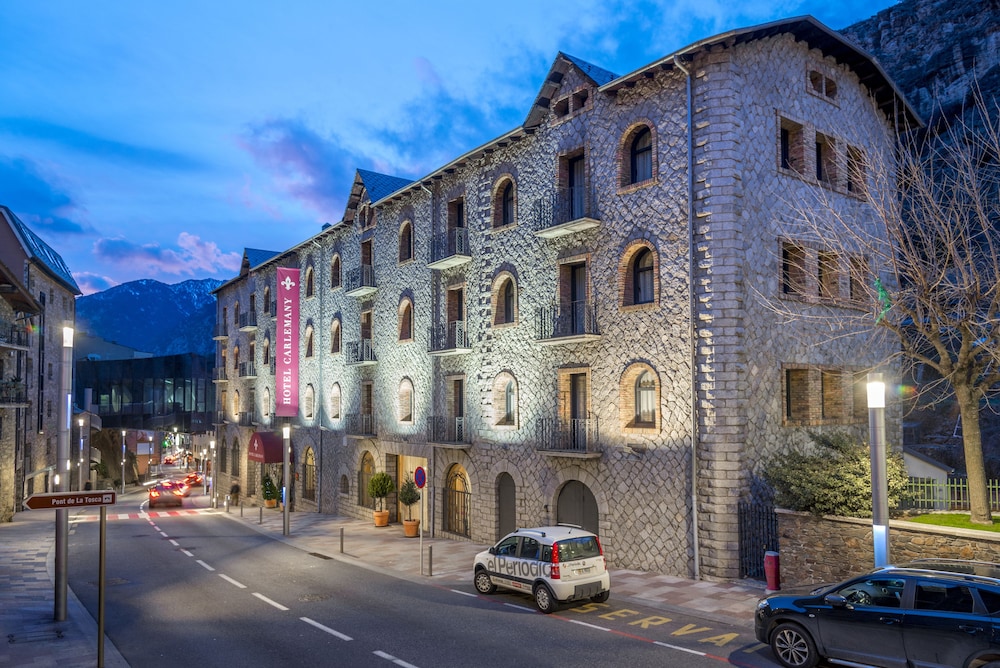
(168, 459)
(555, 564)
(166, 493)
(928, 612)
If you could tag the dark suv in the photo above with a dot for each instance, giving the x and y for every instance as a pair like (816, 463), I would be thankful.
(940, 612)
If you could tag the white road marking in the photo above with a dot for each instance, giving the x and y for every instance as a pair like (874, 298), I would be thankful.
(590, 626)
(232, 581)
(390, 657)
(519, 607)
(174, 543)
(207, 567)
(326, 628)
(190, 554)
(682, 649)
(269, 601)
(164, 534)
(465, 593)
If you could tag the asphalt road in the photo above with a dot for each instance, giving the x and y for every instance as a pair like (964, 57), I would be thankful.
(204, 589)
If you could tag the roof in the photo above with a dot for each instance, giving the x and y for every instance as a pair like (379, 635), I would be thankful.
(598, 75)
(381, 185)
(910, 452)
(256, 257)
(40, 252)
(811, 31)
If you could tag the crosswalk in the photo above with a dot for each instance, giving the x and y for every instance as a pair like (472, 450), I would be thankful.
(143, 515)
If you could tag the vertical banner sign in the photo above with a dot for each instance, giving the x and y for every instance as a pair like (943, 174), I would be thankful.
(286, 364)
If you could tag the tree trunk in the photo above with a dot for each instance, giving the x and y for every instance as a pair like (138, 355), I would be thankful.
(975, 464)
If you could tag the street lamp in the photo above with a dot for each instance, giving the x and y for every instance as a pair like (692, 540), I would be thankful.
(211, 458)
(286, 435)
(880, 497)
(79, 463)
(123, 461)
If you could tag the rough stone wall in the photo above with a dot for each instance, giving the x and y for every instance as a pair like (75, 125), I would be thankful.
(828, 549)
(8, 437)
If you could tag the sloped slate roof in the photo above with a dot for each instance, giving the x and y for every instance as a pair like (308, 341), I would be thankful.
(381, 185)
(41, 252)
(256, 257)
(600, 75)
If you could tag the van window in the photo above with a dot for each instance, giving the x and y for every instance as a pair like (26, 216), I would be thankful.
(584, 547)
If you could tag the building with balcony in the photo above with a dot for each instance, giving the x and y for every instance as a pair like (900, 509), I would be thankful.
(570, 323)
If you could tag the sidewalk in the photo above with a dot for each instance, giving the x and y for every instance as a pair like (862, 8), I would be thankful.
(33, 639)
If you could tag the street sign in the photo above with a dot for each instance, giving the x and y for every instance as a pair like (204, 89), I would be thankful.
(70, 500)
(420, 477)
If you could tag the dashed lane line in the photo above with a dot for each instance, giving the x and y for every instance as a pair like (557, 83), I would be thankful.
(390, 657)
(269, 601)
(232, 581)
(327, 629)
(204, 565)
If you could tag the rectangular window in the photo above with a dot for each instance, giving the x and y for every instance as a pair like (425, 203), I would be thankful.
(829, 275)
(793, 269)
(859, 277)
(833, 395)
(791, 154)
(797, 394)
(456, 213)
(826, 161)
(856, 175)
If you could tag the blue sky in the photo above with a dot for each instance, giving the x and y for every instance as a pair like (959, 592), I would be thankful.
(158, 140)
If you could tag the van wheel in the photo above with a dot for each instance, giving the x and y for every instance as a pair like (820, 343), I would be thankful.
(484, 585)
(793, 647)
(545, 601)
(602, 597)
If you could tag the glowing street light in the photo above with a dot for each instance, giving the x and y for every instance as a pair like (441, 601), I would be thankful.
(79, 463)
(123, 461)
(880, 497)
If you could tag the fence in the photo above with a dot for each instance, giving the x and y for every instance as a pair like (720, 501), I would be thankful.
(950, 494)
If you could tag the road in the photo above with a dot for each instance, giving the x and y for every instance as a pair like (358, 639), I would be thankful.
(202, 588)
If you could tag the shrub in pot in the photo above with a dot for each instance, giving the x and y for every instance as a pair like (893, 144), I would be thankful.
(409, 495)
(270, 492)
(380, 485)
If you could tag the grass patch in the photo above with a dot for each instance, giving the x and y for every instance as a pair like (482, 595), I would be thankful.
(956, 520)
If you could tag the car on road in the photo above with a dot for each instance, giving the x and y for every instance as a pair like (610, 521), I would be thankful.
(166, 493)
(168, 459)
(928, 612)
(194, 478)
(555, 564)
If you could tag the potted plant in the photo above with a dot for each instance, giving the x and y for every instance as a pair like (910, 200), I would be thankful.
(408, 495)
(380, 485)
(270, 493)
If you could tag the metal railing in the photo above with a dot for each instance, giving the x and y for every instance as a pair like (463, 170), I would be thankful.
(247, 419)
(360, 277)
(360, 424)
(12, 335)
(576, 318)
(360, 352)
(448, 244)
(219, 373)
(248, 370)
(951, 494)
(450, 336)
(565, 205)
(568, 435)
(444, 429)
(220, 331)
(248, 321)
(13, 392)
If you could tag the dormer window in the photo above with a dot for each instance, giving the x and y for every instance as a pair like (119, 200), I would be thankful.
(822, 85)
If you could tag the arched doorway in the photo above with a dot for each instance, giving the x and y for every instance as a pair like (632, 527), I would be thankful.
(577, 505)
(309, 475)
(457, 501)
(506, 505)
(364, 475)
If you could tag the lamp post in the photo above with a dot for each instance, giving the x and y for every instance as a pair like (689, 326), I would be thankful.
(64, 472)
(176, 448)
(79, 463)
(211, 463)
(123, 461)
(204, 473)
(286, 435)
(880, 497)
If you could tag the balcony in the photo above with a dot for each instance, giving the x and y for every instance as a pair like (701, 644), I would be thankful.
(566, 211)
(13, 337)
(247, 419)
(248, 322)
(13, 394)
(360, 425)
(248, 370)
(450, 249)
(220, 332)
(219, 418)
(219, 375)
(447, 432)
(450, 339)
(574, 322)
(576, 437)
(361, 353)
(360, 282)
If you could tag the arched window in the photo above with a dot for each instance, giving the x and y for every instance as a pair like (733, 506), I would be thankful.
(236, 404)
(335, 272)
(645, 399)
(266, 353)
(309, 475)
(267, 300)
(234, 459)
(268, 408)
(505, 400)
(345, 486)
(507, 204)
(509, 403)
(365, 472)
(309, 402)
(504, 300)
(457, 501)
(642, 279)
(335, 402)
(335, 336)
(405, 321)
(641, 156)
(310, 281)
(405, 241)
(236, 358)
(406, 400)
(309, 341)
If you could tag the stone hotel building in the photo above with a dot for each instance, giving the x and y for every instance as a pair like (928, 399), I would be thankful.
(574, 322)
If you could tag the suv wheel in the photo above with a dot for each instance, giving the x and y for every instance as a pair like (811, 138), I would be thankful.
(484, 585)
(545, 601)
(793, 647)
(602, 597)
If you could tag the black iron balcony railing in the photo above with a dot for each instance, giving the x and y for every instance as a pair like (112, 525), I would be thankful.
(573, 321)
(13, 392)
(12, 336)
(360, 424)
(246, 419)
(361, 352)
(444, 429)
(450, 338)
(248, 370)
(248, 322)
(220, 331)
(219, 375)
(219, 417)
(576, 435)
(450, 249)
(565, 211)
(360, 281)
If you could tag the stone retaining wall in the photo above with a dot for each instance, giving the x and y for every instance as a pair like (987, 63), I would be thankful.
(829, 549)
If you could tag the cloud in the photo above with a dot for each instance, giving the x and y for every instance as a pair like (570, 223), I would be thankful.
(305, 166)
(99, 147)
(191, 256)
(90, 283)
(38, 198)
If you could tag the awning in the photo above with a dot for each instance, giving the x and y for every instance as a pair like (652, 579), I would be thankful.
(265, 447)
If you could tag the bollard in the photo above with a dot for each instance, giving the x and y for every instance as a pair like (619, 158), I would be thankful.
(241, 509)
(261, 520)
(772, 570)
(341, 540)
(227, 503)
(430, 560)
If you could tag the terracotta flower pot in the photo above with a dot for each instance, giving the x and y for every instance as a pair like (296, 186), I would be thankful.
(270, 503)
(411, 528)
(381, 518)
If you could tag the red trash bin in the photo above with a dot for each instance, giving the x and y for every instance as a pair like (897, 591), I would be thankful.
(772, 570)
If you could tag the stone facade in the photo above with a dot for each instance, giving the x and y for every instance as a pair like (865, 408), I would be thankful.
(577, 399)
(827, 549)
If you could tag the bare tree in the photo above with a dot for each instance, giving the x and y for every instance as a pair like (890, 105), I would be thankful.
(917, 232)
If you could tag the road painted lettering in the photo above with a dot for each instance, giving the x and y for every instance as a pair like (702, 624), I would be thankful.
(649, 622)
(618, 614)
(688, 629)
